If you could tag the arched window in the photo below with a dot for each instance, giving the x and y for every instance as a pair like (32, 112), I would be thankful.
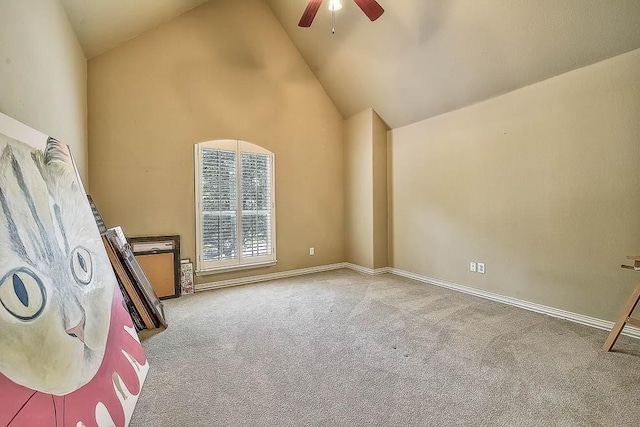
(235, 205)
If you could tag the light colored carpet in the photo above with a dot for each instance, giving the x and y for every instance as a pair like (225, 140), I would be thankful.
(344, 349)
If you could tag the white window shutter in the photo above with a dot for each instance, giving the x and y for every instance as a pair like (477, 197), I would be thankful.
(219, 210)
(255, 183)
(235, 209)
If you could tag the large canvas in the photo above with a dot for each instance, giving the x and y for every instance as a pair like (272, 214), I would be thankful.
(69, 355)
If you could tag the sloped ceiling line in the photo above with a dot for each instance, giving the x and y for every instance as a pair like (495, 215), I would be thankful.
(421, 58)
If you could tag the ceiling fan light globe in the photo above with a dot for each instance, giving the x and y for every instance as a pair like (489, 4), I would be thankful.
(335, 5)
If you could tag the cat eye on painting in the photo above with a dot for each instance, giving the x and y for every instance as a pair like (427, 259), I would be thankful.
(22, 294)
(81, 265)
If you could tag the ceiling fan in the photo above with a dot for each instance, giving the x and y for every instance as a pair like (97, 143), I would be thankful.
(371, 8)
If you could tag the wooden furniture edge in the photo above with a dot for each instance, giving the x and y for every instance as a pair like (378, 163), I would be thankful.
(126, 282)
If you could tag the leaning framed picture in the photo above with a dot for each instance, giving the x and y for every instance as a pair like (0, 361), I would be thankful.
(69, 354)
(153, 303)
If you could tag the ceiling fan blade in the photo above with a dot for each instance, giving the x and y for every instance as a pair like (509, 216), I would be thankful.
(309, 13)
(371, 8)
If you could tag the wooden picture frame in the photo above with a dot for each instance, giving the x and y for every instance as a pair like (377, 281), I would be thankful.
(137, 275)
(149, 250)
(123, 278)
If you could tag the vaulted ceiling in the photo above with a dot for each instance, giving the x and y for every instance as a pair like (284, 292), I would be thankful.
(422, 57)
(103, 24)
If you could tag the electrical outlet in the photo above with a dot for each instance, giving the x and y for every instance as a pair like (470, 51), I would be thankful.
(481, 267)
(312, 251)
(472, 266)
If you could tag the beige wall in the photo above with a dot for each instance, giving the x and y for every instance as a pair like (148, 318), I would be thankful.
(541, 184)
(366, 190)
(43, 73)
(359, 189)
(380, 197)
(223, 70)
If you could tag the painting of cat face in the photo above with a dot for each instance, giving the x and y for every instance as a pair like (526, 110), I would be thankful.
(56, 283)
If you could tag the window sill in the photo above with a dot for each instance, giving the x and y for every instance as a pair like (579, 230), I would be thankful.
(231, 268)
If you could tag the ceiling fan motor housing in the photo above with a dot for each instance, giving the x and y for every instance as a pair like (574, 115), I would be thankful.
(371, 8)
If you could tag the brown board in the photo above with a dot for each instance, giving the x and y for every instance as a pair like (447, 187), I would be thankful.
(160, 271)
(148, 251)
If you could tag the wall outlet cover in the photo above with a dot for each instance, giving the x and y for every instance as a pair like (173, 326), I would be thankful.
(481, 267)
(472, 266)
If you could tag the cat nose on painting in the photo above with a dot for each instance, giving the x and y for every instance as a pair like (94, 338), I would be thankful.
(77, 331)
(74, 319)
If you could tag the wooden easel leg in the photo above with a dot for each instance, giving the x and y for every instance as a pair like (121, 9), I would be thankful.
(624, 315)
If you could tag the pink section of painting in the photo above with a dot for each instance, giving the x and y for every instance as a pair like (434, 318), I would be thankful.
(20, 406)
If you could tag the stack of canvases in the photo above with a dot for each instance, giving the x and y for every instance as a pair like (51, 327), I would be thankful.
(69, 354)
(144, 306)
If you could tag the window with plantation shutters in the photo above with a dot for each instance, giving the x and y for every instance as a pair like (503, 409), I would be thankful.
(235, 205)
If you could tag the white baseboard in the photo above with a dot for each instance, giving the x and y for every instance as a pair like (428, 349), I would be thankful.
(538, 308)
(366, 270)
(265, 277)
(290, 273)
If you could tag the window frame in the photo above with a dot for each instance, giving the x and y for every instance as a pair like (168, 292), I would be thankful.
(240, 262)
